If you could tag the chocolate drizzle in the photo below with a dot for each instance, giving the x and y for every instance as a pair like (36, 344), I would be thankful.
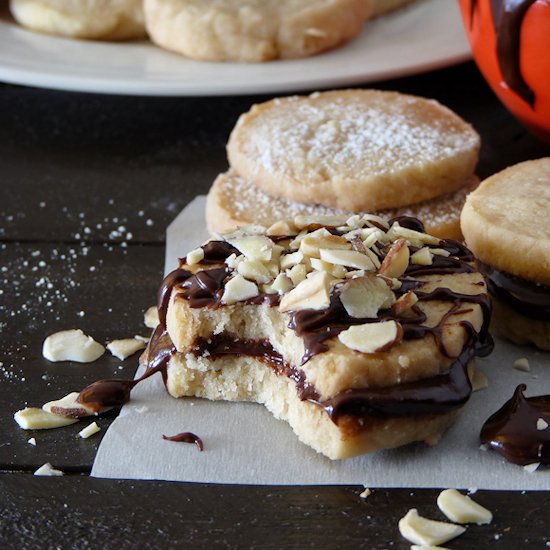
(439, 394)
(523, 296)
(185, 437)
(513, 432)
(507, 18)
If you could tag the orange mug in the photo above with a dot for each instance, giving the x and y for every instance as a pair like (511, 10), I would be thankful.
(510, 41)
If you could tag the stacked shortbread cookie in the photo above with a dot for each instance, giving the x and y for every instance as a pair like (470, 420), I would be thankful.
(358, 331)
(344, 152)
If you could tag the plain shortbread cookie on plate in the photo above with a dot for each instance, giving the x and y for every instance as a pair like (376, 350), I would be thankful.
(93, 19)
(253, 30)
(358, 150)
(506, 223)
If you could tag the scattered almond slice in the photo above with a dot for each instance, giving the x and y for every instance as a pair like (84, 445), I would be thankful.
(462, 509)
(348, 258)
(290, 260)
(426, 532)
(422, 257)
(366, 493)
(405, 302)
(32, 441)
(69, 407)
(522, 364)
(125, 347)
(48, 470)
(89, 430)
(144, 339)
(195, 256)
(311, 246)
(254, 270)
(479, 380)
(311, 293)
(32, 418)
(338, 271)
(411, 235)
(254, 247)
(151, 317)
(372, 337)
(297, 274)
(71, 345)
(283, 228)
(238, 289)
(364, 296)
(396, 261)
(531, 468)
(281, 285)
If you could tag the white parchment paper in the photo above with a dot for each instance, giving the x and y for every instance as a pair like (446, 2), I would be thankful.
(245, 444)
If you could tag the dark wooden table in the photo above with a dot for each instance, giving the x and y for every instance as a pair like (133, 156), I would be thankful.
(81, 171)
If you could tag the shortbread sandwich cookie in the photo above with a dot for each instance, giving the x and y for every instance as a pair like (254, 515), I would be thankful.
(253, 30)
(358, 332)
(356, 150)
(92, 19)
(506, 223)
(232, 202)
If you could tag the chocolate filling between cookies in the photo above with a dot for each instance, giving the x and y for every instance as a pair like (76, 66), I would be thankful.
(439, 394)
(525, 297)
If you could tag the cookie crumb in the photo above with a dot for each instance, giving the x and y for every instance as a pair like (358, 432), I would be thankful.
(366, 493)
(542, 424)
(522, 364)
(32, 441)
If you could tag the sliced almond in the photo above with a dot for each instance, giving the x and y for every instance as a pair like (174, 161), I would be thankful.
(151, 317)
(315, 221)
(522, 364)
(254, 270)
(357, 245)
(238, 289)
(289, 260)
(125, 347)
(422, 257)
(69, 406)
(48, 470)
(71, 345)
(462, 509)
(297, 274)
(364, 296)
(281, 285)
(348, 258)
(195, 256)
(283, 228)
(372, 235)
(372, 337)
(396, 261)
(411, 235)
(89, 430)
(32, 418)
(376, 221)
(427, 532)
(254, 247)
(405, 302)
(541, 424)
(338, 271)
(312, 293)
(310, 246)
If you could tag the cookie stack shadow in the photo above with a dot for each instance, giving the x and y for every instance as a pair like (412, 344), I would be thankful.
(347, 151)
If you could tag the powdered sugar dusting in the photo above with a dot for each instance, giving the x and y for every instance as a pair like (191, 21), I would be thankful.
(347, 136)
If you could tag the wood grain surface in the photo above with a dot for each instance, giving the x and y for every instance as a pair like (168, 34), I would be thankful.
(89, 184)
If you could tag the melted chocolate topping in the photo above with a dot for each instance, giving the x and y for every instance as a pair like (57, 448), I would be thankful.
(186, 437)
(507, 18)
(442, 393)
(512, 431)
(523, 296)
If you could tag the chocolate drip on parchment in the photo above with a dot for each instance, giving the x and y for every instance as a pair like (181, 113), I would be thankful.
(520, 430)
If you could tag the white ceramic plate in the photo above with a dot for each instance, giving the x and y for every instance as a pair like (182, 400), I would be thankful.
(422, 37)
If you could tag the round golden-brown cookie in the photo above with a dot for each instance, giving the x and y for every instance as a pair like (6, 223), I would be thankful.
(506, 221)
(253, 30)
(93, 19)
(232, 202)
(506, 224)
(354, 149)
